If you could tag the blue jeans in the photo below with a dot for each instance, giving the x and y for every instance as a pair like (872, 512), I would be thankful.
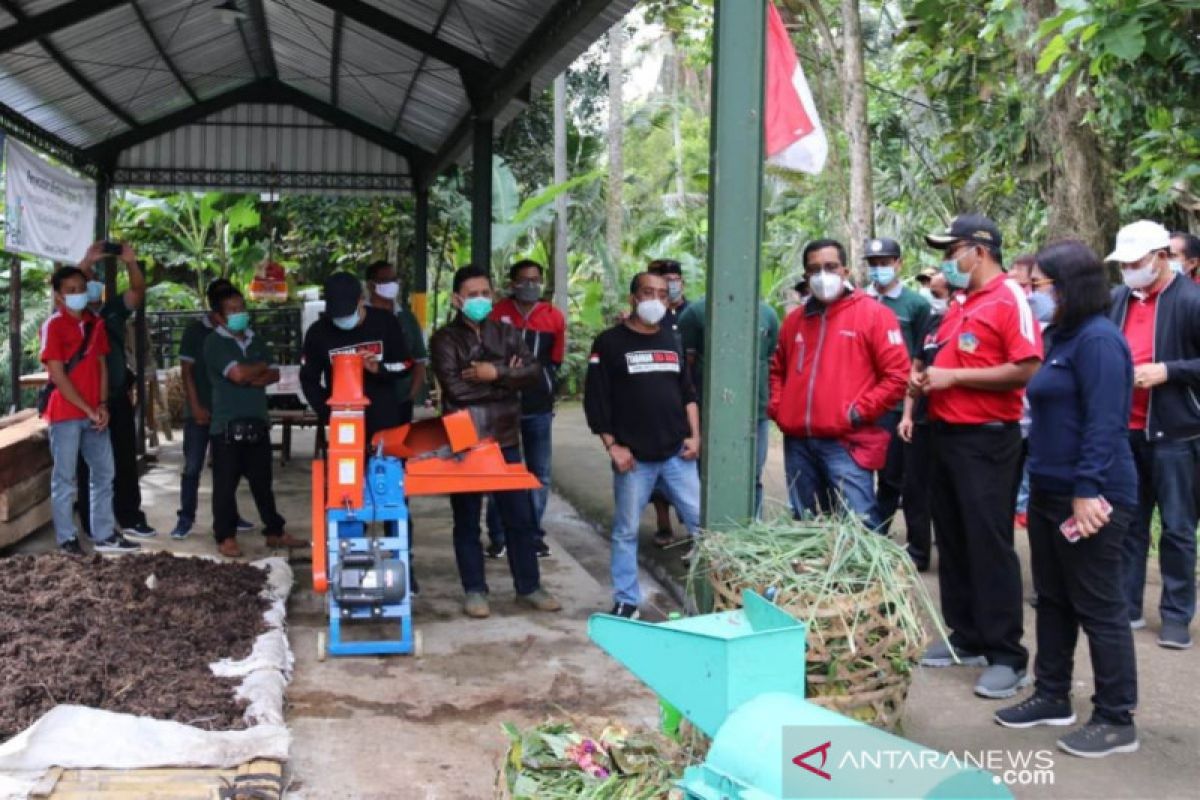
(762, 441)
(818, 470)
(516, 512)
(195, 450)
(536, 447)
(679, 481)
(68, 441)
(1023, 490)
(1166, 478)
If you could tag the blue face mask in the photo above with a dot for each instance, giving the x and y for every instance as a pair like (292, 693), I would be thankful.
(238, 321)
(477, 309)
(348, 322)
(95, 291)
(1043, 305)
(76, 302)
(955, 276)
(883, 276)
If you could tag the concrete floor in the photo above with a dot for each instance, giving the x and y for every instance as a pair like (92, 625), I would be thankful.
(942, 712)
(430, 727)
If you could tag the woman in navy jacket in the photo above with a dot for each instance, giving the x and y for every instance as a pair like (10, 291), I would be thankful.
(1082, 475)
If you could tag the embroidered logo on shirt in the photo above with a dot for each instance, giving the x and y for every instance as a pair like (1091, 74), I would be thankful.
(374, 348)
(968, 342)
(641, 361)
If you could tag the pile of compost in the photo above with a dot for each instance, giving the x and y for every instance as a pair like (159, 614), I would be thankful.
(133, 634)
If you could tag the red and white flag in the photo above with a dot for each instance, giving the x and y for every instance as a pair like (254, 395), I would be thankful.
(795, 139)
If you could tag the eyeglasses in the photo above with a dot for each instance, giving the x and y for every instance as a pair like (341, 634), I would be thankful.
(830, 266)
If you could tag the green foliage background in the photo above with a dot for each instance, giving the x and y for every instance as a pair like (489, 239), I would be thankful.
(958, 97)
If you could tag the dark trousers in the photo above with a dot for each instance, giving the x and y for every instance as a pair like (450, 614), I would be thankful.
(520, 528)
(127, 496)
(232, 462)
(891, 478)
(1078, 584)
(918, 469)
(1166, 479)
(975, 480)
(536, 447)
(196, 442)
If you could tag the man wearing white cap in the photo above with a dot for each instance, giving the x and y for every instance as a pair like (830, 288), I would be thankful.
(1160, 316)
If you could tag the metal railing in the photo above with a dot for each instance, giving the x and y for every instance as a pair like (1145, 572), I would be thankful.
(279, 327)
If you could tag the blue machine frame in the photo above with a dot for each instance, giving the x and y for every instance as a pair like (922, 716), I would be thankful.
(348, 533)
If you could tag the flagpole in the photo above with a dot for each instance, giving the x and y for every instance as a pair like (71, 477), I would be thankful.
(730, 401)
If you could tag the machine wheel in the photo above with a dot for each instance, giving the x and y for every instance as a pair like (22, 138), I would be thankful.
(321, 650)
(418, 645)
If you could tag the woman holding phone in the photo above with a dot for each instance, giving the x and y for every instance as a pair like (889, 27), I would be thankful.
(1083, 497)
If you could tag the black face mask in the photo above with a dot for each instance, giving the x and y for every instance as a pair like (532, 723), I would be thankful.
(527, 292)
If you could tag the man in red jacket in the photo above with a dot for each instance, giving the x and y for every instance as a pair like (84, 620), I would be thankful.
(545, 331)
(840, 365)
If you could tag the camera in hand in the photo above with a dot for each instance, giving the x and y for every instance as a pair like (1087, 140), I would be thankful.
(112, 248)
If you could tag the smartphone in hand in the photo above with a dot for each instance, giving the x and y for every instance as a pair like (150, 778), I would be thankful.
(1070, 528)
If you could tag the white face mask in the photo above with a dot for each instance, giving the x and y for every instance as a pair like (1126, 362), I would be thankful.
(1140, 277)
(938, 304)
(388, 291)
(651, 312)
(826, 286)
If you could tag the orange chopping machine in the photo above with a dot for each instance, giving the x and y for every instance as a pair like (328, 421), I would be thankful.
(361, 535)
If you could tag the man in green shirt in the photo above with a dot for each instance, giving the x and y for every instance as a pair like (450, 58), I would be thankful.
(691, 332)
(197, 413)
(383, 290)
(240, 369)
(116, 312)
(912, 310)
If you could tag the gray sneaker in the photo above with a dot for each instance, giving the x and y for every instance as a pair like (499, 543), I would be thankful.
(1174, 636)
(940, 654)
(539, 599)
(1000, 681)
(1100, 739)
(1137, 624)
(476, 605)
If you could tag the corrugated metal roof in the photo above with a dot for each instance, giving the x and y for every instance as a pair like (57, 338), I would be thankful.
(253, 147)
(392, 97)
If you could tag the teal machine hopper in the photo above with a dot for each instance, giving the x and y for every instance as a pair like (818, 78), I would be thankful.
(738, 676)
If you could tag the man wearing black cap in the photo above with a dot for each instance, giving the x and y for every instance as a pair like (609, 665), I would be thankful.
(912, 311)
(350, 326)
(985, 351)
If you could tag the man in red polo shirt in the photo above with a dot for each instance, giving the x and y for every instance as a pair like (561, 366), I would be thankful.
(545, 332)
(74, 346)
(984, 352)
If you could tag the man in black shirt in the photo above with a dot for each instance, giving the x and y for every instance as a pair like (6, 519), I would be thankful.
(640, 402)
(350, 326)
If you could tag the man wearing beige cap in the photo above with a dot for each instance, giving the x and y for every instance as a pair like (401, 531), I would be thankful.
(1160, 316)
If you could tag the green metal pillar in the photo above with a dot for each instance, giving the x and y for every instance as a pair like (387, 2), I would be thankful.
(417, 298)
(481, 194)
(103, 189)
(735, 237)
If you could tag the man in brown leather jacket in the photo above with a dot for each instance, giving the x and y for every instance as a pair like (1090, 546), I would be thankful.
(481, 366)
